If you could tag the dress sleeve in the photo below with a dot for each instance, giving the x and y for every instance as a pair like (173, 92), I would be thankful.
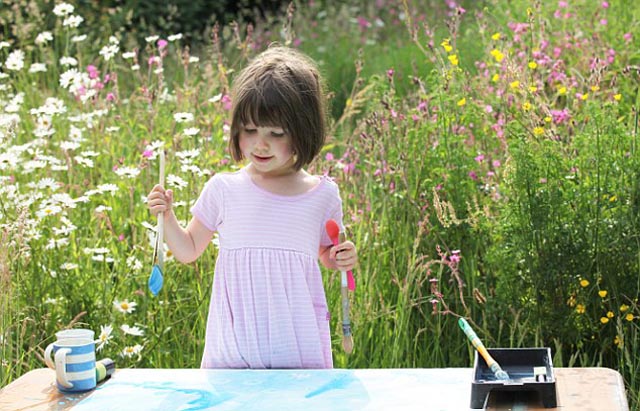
(334, 211)
(209, 208)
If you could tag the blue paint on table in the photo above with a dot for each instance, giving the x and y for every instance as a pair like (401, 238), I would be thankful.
(191, 390)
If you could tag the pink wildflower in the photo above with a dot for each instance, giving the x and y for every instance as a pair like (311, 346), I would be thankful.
(390, 73)
(226, 102)
(93, 71)
(363, 23)
(560, 116)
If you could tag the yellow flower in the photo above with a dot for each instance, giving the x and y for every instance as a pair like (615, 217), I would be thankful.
(495, 78)
(584, 96)
(617, 97)
(533, 89)
(580, 309)
(497, 54)
(514, 84)
(495, 36)
(547, 119)
(462, 102)
(629, 317)
(610, 314)
(348, 102)
(604, 320)
(602, 293)
(595, 88)
(538, 131)
(446, 45)
(533, 65)
(526, 106)
(612, 199)
(562, 90)
(624, 307)
(584, 283)
(571, 302)
(617, 341)
(453, 59)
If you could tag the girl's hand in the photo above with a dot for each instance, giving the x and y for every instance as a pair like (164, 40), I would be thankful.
(159, 200)
(344, 255)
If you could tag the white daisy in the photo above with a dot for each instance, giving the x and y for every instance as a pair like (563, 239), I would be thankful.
(125, 307)
(63, 9)
(48, 210)
(15, 60)
(56, 243)
(191, 131)
(105, 336)
(72, 21)
(130, 351)
(129, 172)
(68, 61)
(135, 330)
(102, 208)
(107, 188)
(176, 181)
(183, 117)
(38, 68)
(134, 263)
(44, 37)
(68, 266)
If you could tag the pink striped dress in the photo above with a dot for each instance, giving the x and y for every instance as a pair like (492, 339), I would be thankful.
(268, 307)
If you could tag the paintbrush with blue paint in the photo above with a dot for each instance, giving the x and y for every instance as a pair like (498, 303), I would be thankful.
(156, 278)
(475, 341)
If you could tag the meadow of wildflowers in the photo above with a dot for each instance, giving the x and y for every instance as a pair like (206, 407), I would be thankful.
(486, 152)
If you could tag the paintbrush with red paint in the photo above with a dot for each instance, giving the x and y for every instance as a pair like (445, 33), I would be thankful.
(347, 283)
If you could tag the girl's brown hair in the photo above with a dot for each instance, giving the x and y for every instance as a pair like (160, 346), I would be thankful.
(281, 87)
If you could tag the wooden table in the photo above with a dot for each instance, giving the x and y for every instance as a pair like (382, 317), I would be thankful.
(447, 389)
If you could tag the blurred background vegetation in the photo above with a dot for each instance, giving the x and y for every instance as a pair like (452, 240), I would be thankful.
(486, 152)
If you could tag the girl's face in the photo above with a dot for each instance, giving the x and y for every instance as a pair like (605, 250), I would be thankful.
(268, 148)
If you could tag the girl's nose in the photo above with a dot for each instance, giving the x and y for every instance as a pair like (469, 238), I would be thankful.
(262, 142)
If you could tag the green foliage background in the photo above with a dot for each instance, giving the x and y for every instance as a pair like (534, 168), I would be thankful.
(486, 153)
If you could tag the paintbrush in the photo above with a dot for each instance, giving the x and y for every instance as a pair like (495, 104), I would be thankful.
(347, 339)
(156, 279)
(475, 341)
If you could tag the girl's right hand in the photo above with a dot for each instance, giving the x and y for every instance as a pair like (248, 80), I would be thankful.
(159, 200)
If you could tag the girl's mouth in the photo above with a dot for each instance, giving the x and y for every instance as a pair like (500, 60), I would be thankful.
(261, 158)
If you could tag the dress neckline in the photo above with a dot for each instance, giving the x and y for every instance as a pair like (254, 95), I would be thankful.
(285, 197)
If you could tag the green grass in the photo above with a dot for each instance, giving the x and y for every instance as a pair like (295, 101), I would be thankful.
(466, 193)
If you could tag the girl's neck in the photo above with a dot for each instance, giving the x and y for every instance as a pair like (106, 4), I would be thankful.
(287, 183)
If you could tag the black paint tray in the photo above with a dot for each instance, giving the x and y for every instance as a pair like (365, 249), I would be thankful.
(519, 363)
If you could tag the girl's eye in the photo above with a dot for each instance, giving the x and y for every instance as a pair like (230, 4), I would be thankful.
(274, 134)
(250, 130)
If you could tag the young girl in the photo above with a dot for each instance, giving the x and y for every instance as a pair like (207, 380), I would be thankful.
(268, 307)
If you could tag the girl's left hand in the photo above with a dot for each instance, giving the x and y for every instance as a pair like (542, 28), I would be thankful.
(344, 255)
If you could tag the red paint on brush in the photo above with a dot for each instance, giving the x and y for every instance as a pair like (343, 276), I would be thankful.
(333, 230)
